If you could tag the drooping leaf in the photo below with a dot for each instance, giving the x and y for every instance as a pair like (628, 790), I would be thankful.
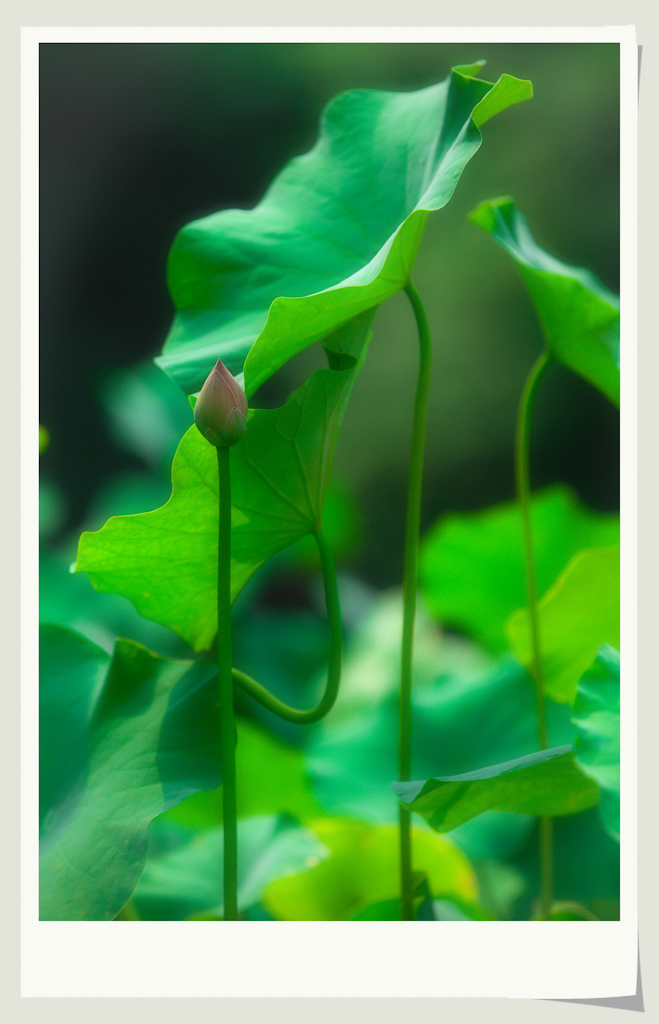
(472, 563)
(596, 714)
(462, 715)
(184, 878)
(336, 233)
(165, 562)
(578, 614)
(544, 783)
(362, 870)
(580, 317)
(121, 740)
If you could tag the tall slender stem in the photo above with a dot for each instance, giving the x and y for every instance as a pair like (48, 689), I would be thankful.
(227, 723)
(522, 477)
(410, 578)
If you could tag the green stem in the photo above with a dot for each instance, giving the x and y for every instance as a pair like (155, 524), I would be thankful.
(272, 703)
(227, 723)
(522, 477)
(410, 581)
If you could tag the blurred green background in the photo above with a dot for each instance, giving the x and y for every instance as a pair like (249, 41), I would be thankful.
(138, 139)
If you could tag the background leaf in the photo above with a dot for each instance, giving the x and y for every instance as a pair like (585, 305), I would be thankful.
(165, 562)
(115, 752)
(472, 563)
(184, 877)
(335, 234)
(596, 714)
(578, 614)
(466, 710)
(544, 783)
(362, 869)
(271, 779)
(580, 317)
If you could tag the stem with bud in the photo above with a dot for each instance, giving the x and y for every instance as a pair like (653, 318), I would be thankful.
(221, 416)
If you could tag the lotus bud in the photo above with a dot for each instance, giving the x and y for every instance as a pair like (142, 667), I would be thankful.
(221, 409)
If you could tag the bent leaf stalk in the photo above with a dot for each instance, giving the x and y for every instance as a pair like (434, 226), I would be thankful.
(326, 703)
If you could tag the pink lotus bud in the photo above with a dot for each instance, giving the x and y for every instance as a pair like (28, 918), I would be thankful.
(221, 409)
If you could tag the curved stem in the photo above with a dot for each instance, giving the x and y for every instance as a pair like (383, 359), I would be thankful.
(272, 703)
(522, 478)
(410, 577)
(227, 723)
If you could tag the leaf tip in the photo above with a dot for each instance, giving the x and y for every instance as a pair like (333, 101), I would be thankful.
(485, 214)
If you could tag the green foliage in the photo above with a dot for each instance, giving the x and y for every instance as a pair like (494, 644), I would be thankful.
(578, 614)
(183, 878)
(580, 317)
(336, 233)
(130, 742)
(472, 563)
(596, 714)
(271, 779)
(165, 562)
(362, 870)
(544, 783)
(466, 711)
(122, 740)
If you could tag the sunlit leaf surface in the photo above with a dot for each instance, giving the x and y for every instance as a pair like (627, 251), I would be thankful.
(165, 562)
(362, 869)
(335, 234)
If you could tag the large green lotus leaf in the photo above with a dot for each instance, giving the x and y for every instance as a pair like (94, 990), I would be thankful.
(183, 877)
(165, 562)
(596, 714)
(472, 563)
(271, 778)
(363, 869)
(543, 783)
(461, 716)
(335, 234)
(578, 614)
(121, 741)
(580, 317)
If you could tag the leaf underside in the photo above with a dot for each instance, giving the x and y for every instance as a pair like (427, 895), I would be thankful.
(335, 234)
(580, 317)
(544, 783)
